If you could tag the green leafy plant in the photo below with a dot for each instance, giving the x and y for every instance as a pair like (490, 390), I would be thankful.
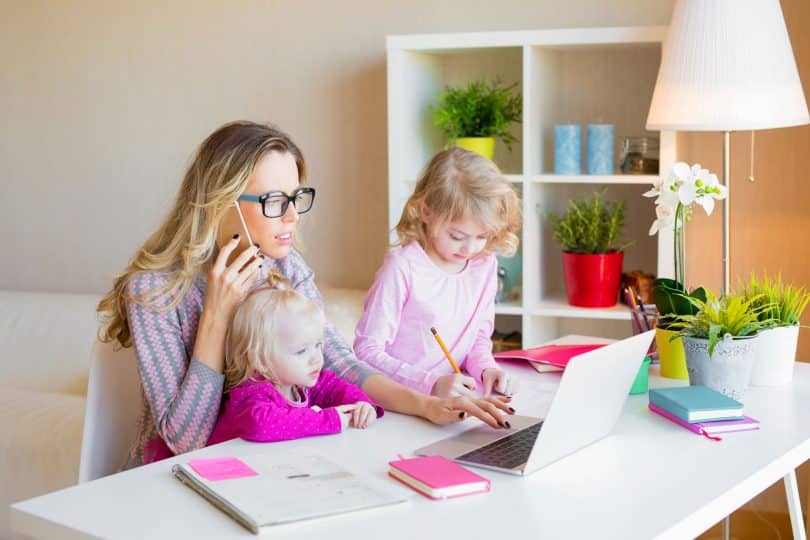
(590, 225)
(672, 299)
(783, 303)
(480, 109)
(730, 315)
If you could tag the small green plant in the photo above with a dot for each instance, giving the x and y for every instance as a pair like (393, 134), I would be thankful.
(730, 315)
(480, 109)
(672, 300)
(590, 225)
(783, 303)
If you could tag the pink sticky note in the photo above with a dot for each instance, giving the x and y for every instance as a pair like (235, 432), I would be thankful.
(221, 468)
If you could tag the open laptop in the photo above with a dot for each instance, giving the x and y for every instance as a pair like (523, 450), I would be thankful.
(585, 408)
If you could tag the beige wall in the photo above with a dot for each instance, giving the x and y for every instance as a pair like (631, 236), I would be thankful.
(102, 103)
(770, 218)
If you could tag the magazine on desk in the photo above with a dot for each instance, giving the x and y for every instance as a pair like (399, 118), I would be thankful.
(262, 490)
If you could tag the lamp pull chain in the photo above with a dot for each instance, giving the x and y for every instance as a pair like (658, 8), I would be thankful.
(751, 177)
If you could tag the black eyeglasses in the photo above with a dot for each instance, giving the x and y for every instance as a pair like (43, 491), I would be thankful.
(275, 203)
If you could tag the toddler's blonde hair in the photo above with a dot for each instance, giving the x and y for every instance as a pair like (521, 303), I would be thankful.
(456, 183)
(249, 344)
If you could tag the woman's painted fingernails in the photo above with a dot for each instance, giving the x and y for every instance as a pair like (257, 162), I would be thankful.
(256, 244)
(236, 236)
(507, 425)
(462, 414)
(511, 409)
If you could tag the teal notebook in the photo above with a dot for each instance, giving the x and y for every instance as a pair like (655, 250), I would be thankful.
(696, 403)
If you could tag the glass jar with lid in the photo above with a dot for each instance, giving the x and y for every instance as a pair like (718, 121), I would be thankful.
(639, 155)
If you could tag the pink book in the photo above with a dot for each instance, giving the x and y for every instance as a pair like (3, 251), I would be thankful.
(554, 355)
(437, 477)
(710, 428)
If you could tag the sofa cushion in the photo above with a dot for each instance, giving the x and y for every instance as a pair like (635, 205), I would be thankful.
(39, 446)
(343, 308)
(45, 340)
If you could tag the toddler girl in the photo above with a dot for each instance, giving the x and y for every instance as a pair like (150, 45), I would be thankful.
(275, 387)
(443, 275)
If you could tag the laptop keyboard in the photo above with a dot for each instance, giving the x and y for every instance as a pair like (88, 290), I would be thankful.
(506, 453)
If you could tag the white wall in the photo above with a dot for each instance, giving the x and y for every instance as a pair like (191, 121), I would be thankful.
(102, 103)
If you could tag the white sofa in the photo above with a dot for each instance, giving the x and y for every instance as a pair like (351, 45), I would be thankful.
(45, 343)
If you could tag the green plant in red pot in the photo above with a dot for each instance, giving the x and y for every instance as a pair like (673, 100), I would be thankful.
(592, 261)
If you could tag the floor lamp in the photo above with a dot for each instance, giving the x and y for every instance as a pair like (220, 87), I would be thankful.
(727, 65)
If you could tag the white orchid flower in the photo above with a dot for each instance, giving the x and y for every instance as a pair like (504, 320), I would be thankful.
(687, 192)
(709, 189)
(665, 219)
(681, 171)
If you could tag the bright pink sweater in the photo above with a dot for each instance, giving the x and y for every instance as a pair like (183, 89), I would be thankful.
(409, 295)
(256, 411)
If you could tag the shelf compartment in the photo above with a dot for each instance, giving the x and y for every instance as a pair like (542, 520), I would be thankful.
(422, 75)
(593, 84)
(639, 215)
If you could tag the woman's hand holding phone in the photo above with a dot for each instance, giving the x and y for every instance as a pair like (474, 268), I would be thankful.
(227, 284)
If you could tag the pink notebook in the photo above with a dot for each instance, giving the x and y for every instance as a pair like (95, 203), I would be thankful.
(437, 477)
(554, 355)
(710, 428)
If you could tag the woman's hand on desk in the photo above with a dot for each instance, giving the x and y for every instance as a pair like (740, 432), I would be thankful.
(490, 410)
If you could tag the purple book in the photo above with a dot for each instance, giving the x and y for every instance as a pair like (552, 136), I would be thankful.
(710, 428)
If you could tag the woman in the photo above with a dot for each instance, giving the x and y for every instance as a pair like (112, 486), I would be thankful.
(175, 299)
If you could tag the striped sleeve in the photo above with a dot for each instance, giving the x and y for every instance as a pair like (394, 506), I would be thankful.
(183, 394)
(337, 354)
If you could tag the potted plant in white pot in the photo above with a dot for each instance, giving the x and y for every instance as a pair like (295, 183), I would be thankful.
(592, 261)
(719, 341)
(783, 305)
(473, 116)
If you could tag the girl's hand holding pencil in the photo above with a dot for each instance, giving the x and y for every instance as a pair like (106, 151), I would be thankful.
(454, 385)
(500, 381)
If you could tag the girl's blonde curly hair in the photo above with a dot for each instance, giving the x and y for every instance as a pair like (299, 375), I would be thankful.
(458, 183)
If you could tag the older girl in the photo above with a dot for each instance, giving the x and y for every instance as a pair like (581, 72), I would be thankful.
(444, 275)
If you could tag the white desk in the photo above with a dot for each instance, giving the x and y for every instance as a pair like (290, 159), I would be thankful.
(649, 479)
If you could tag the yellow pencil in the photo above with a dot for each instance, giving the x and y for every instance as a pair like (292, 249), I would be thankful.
(444, 349)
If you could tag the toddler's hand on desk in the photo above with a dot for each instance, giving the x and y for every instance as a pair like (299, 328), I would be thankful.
(345, 414)
(454, 385)
(498, 380)
(363, 415)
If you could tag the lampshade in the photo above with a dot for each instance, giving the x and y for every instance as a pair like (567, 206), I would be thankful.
(727, 65)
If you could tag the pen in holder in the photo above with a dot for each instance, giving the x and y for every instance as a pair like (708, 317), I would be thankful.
(642, 317)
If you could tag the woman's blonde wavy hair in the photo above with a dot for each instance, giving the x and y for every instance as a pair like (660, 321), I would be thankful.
(458, 183)
(249, 344)
(185, 243)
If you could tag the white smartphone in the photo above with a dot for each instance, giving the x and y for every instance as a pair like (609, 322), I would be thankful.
(234, 223)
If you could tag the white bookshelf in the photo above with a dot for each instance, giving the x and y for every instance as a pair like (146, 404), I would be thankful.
(592, 75)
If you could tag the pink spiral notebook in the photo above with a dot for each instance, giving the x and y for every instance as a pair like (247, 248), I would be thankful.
(710, 428)
(437, 477)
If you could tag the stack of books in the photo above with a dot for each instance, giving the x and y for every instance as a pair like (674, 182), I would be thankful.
(701, 410)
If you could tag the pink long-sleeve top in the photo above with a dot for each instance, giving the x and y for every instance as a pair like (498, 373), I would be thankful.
(409, 295)
(255, 411)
